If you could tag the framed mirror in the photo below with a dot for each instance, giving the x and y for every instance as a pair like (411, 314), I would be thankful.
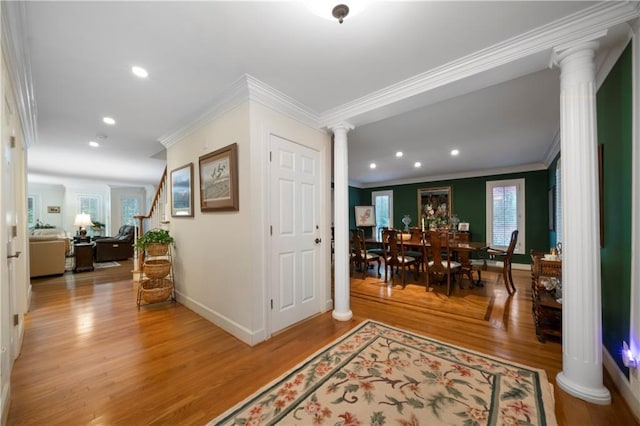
(434, 207)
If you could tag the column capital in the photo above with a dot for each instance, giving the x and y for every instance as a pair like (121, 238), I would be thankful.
(587, 42)
(343, 125)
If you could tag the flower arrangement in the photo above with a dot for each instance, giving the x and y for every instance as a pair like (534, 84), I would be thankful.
(435, 217)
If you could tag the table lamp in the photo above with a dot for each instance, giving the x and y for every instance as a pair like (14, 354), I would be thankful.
(82, 221)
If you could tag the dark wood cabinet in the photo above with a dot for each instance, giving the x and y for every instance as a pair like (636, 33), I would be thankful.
(546, 293)
(83, 257)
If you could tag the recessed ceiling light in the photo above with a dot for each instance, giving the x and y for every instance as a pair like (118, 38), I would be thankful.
(109, 120)
(455, 152)
(399, 154)
(94, 144)
(372, 165)
(139, 71)
(417, 164)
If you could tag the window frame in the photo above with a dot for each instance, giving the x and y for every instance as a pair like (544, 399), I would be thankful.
(519, 183)
(374, 195)
(98, 199)
(33, 197)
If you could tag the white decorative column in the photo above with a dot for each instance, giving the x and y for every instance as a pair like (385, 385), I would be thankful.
(581, 374)
(341, 311)
(634, 320)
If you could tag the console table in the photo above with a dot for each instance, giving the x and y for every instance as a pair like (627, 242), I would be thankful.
(83, 257)
(546, 294)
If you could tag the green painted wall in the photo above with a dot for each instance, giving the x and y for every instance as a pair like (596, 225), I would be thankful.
(552, 184)
(469, 204)
(356, 199)
(614, 110)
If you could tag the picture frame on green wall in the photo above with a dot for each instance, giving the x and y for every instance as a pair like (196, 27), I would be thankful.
(434, 206)
(365, 216)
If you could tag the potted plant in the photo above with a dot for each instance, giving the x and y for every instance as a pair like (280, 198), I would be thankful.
(154, 242)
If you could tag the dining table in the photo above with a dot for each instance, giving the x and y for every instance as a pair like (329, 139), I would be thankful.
(462, 249)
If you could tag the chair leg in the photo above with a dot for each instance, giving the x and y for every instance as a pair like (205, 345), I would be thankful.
(513, 287)
(505, 277)
(379, 263)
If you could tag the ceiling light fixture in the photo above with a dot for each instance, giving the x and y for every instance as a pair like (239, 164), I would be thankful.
(139, 71)
(109, 120)
(332, 10)
(455, 152)
(417, 164)
(340, 12)
(399, 154)
(372, 165)
(94, 144)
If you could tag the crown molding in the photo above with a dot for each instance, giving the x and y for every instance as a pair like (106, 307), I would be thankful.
(454, 176)
(596, 18)
(553, 150)
(246, 88)
(14, 36)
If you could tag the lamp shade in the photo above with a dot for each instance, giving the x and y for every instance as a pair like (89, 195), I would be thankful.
(82, 220)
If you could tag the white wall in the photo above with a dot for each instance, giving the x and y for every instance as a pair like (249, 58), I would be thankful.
(219, 259)
(48, 195)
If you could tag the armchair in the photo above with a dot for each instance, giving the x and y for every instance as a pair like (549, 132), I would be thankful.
(118, 247)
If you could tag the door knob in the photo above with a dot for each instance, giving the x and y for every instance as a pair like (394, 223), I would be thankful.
(16, 254)
(318, 240)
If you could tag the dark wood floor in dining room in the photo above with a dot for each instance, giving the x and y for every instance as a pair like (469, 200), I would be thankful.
(91, 357)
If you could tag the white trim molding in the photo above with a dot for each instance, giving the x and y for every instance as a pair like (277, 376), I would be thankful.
(14, 38)
(595, 19)
(244, 89)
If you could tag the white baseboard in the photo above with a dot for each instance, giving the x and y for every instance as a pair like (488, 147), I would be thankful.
(621, 382)
(237, 330)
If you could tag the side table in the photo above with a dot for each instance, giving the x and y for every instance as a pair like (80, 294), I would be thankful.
(83, 257)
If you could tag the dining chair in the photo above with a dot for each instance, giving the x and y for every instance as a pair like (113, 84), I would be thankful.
(506, 256)
(359, 254)
(441, 266)
(416, 249)
(379, 249)
(395, 256)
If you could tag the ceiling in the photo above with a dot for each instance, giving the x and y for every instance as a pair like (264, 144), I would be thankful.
(420, 77)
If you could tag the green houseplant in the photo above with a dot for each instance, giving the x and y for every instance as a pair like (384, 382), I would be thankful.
(154, 241)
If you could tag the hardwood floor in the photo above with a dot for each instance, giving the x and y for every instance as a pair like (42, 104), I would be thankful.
(91, 357)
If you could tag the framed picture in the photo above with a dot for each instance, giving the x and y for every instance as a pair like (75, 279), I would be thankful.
(463, 227)
(53, 209)
(365, 216)
(219, 180)
(182, 191)
(434, 206)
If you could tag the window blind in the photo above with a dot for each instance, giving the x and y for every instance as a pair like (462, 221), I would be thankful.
(505, 214)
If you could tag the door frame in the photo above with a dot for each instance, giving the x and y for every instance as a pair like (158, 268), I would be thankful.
(322, 144)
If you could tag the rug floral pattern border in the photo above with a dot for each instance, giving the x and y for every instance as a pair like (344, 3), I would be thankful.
(380, 375)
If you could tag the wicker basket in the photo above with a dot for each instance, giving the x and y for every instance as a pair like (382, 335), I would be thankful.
(155, 290)
(158, 268)
(155, 249)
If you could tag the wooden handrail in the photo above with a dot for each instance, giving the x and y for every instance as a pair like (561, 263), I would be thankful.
(152, 210)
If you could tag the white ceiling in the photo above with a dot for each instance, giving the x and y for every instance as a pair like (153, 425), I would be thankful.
(392, 71)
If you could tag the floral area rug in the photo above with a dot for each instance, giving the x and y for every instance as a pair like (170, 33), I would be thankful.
(380, 375)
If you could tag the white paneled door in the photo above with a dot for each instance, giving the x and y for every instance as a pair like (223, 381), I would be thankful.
(295, 234)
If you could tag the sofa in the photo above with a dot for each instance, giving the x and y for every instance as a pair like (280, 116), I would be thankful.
(118, 247)
(46, 234)
(47, 255)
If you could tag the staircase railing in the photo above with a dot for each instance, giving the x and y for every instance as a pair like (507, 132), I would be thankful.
(155, 219)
